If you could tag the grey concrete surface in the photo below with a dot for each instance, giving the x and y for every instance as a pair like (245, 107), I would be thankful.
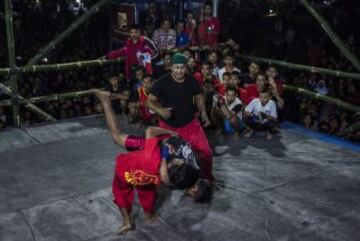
(55, 184)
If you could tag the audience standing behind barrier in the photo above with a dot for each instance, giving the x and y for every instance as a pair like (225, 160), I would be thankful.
(227, 73)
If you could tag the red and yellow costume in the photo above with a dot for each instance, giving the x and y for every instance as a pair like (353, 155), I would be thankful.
(137, 170)
(144, 111)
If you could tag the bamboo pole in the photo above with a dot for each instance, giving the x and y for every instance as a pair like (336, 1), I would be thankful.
(52, 97)
(317, 96)
(332, 34)
(12, 61)
(61, 96)
(5, 103)
(59, 67)
(28, 105)
(311, 69)
(44, 51)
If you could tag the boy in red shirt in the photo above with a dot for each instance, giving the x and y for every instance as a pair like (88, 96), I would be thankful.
(146, 167)
(209, 28)
(138, 108)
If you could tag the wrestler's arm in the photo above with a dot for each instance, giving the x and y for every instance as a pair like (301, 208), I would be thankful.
(153, 131)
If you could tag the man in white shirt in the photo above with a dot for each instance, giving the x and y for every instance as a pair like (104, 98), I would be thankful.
(261, 114)
(229, 61)
(227, 112)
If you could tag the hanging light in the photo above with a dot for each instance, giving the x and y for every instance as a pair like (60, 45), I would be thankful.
(271, 12)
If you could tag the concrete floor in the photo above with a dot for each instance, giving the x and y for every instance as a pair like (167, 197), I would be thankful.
(55, 184)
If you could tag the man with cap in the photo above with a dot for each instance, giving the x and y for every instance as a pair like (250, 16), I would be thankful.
(172, 97)
(136, 50)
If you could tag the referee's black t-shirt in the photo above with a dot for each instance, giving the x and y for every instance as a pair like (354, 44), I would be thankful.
(179, 97)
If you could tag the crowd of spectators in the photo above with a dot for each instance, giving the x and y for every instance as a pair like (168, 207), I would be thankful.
(240, 95)
(31, 34)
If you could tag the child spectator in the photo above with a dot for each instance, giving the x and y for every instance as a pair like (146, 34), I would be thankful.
(229, 67)
(137, 106)
(261, 114)
(227, 113)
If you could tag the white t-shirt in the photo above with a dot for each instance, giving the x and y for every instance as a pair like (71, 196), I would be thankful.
(256, 108)
(235, 106)
(222, 71)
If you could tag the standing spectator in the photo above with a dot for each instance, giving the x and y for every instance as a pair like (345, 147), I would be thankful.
(172, 97)
(165, 37)
(209, 27)
(134, 50)
(261, 114)
(191, 28)
(182, 37)
(151, 19)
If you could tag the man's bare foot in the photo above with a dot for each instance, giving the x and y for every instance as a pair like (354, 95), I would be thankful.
(269, 136)
(126, 227)
(249, 133)
(151, 217)
(102, 95)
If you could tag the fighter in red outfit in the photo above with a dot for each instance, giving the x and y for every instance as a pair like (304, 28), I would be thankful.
(142, 170)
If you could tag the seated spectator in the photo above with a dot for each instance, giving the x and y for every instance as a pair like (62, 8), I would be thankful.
(165, 37)
(229, 67)
(221, 90)
(273, 77)
(227, 113)
(137, 78)
(208, 82)
(188, 53)
(235, 79)
(323, 126)
(261, 114)
(213, 58)
(253, 90)
(182, 37)
(119, 95)
(206, 76)
(137, 107)
(254, 70)
(209, 27)
(334, 124)
(3, 117)
(2, 125)
(164, 67)
(308, 121)
(276, 86)
(191, 65)
(321, 88)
